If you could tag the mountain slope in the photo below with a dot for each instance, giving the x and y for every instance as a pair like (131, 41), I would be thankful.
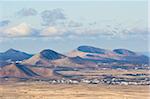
(73, 62)
(49, 58)
(90, 49)
(44, 58)
(14, 55)
(102, 55)
(24, 71)
(131, 57)
(90, 52)
(124, 52)
(12, 71)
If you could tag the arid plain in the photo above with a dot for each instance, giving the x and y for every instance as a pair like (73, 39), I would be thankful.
(65, 91)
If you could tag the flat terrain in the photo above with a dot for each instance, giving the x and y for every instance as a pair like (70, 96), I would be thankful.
(41, 90)
(113, 72)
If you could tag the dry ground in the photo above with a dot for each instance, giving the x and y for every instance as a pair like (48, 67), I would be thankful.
(116, 73)
(62, 91)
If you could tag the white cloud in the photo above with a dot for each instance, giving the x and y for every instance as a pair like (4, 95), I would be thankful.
(74, 24)
(51, 32)
(25, 30)
(20, 30)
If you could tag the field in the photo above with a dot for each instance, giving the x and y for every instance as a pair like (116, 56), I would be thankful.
(43, 90)
(113, 72)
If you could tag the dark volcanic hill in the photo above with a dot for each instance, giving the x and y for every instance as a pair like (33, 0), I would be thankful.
(130, 56)
(50, 58)
(89, 52)
(18, 70)
(90, 49)
(103, 55)
(51, 55)
(124, 52)
(14, 55)
(44, 58)
(74, 62)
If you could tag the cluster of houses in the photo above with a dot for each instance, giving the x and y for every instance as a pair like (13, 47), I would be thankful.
(72, 81)
(113, 81)
(118, 81)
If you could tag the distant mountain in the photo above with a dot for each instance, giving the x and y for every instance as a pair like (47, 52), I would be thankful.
(130, 56)
(103, 55)
(3, 63)
(44, 58)
(139, 59)
(124, 52)
(83, 54)
(51, 55)
(50, 58)
(90, 49)
(145, 53)
(46, 63)
(13, 71)
(90, 52)
(73, 62)
(23, 71)
(14, 55)
(10, 70)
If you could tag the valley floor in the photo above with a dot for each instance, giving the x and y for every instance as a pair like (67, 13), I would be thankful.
(66, 91)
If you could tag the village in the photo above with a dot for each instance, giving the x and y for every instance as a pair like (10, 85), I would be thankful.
(108, 81)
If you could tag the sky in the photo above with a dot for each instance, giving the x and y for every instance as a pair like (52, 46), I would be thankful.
(32, 26)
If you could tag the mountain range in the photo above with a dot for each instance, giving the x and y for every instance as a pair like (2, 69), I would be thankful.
(104, 55)
(14, 63)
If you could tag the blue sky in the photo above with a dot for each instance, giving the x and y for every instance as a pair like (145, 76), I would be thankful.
(62, 25)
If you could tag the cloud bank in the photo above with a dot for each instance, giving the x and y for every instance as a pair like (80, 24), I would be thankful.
(56, 24)
(4, 23)
(51, 17)
(27, 12)
(26, 30)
